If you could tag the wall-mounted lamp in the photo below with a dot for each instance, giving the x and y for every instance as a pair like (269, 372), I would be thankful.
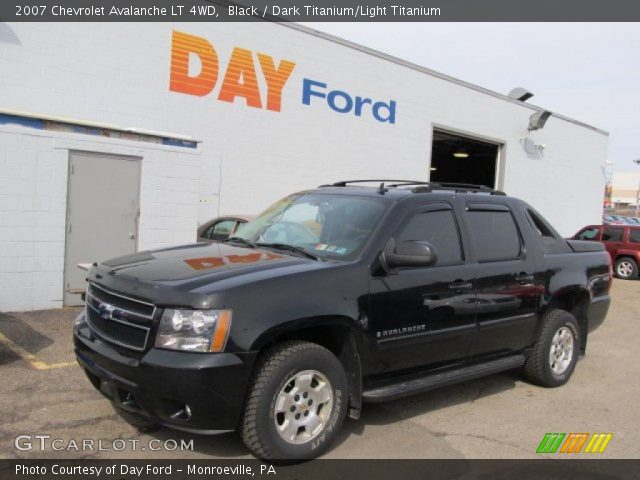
(521, 94)
(538, 119)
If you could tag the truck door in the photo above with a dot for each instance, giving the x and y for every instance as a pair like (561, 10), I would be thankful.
(613, 238)
(507, 294)
(425, 317)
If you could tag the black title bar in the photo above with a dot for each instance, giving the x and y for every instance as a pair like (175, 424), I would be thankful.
(319, 10)
(565, 469)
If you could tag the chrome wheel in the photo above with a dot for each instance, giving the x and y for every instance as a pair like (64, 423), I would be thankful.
(624, 269)
(303, 407)
(561, 352)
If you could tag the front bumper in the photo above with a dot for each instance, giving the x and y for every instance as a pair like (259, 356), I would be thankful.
(195, 392)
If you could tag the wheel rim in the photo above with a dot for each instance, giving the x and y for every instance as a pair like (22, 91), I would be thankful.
(303, 407)
(561, 352)
(625, 269)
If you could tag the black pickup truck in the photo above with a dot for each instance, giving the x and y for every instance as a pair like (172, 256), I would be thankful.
(335, 297)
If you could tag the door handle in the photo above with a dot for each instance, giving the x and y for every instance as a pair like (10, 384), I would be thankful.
(524, 278)
(132, 236)
(460, 285)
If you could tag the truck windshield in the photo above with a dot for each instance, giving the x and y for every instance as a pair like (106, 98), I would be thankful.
(325, 226)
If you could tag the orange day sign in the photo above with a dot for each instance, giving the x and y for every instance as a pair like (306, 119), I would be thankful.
(240, 78)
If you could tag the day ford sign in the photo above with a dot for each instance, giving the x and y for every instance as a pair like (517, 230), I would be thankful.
(239, 79)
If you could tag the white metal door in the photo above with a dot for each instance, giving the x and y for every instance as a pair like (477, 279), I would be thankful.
(102, 214)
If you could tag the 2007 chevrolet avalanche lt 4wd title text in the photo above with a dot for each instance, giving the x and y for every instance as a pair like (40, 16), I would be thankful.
(334, 297)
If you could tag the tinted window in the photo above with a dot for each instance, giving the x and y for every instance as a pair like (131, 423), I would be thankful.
(612, 235)
(220, 230)
(540, 226)
(440, 230)
(634, 235)
(551, 241)
(209, 231)
(224, 228)
(494, 235)
(589, 234)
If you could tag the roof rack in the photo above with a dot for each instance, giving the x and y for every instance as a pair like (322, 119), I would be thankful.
(344, 183)
(421, 187)
(466, 187)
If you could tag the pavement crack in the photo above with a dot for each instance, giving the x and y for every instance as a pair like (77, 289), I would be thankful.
(79, 423)
(485, 438)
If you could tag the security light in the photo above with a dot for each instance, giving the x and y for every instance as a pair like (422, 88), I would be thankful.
(538, 119)
(530, 146)
(521, 94)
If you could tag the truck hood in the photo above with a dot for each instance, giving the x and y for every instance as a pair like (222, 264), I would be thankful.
(196, 261)
(199, 269)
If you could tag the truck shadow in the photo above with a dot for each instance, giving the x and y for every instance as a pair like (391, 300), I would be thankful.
(230, 445)
(226, 445)
(406, 408)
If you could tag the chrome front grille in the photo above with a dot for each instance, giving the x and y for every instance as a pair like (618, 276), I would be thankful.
(119, 319)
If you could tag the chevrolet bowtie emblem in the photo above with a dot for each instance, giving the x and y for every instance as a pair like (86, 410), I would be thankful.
(106, 311)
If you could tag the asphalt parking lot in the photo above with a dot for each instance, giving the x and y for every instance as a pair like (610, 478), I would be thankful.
(45, 393)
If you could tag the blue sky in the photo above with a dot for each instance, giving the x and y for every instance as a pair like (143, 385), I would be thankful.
(587, 71)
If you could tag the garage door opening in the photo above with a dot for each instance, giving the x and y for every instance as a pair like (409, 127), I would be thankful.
(459, 159)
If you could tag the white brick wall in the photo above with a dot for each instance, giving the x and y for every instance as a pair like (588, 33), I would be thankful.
(32, 209)
(249, 157)
(33, 196)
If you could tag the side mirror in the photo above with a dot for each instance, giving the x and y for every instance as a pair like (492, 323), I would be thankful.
(410, 253)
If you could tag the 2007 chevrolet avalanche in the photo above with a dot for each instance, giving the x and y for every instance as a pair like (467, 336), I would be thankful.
(337, 296)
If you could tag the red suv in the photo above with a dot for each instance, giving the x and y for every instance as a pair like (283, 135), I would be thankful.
(621, 241)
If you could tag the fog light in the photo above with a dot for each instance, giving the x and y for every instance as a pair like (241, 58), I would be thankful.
(183, 414)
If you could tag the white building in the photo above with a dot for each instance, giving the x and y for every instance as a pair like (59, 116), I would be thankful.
(625, 188)
(250, 112)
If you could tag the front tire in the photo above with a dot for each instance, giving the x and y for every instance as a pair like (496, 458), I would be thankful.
(626, 268)
(296, 402)
(555, 353)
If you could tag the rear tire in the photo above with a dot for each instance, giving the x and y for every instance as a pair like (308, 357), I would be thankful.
(626, 268)
(296, 403)
(555, 353)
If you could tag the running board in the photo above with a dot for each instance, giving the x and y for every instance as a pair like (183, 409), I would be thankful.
(413, 385)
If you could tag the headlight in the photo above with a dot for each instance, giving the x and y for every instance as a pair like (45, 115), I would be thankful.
(194, 330)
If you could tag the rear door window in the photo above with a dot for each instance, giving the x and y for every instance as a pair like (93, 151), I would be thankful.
(494, 234)
(634, 235)
(612, 234)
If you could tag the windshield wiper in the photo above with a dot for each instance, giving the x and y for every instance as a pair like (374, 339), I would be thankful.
(291, 248)
(241, 241)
